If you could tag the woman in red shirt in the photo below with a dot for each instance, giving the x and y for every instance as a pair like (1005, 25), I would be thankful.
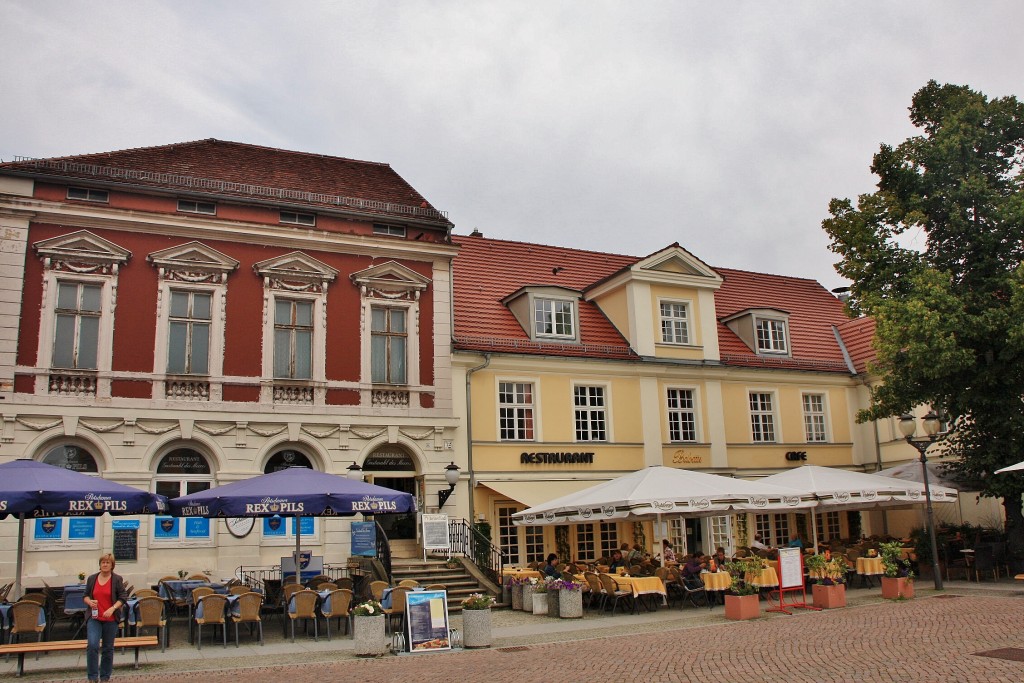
(105, 595)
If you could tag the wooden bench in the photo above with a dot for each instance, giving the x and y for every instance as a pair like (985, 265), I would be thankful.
(21, 649)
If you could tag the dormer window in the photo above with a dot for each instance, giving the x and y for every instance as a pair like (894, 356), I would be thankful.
(771, 336)
(87, 195)
(553, 318)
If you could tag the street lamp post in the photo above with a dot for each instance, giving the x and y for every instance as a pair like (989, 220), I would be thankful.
(908, 427)
(451, 475)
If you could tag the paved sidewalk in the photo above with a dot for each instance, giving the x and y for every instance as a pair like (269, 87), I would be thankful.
(930, 638)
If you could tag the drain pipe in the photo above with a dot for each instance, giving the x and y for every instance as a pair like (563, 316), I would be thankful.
(469, 436)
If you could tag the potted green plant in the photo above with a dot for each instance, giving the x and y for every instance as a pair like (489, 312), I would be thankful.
(898, 582)
(368, 629)
(742, 600)
(81, 577)
(539, 604)
(570, 599)
(829, 576)
(476, 620)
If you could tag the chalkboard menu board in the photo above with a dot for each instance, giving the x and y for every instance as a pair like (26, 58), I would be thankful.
(126, 545)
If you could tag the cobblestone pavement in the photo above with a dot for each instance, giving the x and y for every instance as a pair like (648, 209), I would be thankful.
(932, 639)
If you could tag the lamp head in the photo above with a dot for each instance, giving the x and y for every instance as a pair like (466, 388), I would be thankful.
(907, 426)
(451, 474)
(932, 423)
(355, 472)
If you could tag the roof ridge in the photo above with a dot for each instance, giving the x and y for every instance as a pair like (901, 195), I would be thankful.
(548, 246)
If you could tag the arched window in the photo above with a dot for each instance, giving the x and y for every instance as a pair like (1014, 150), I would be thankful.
(285, 459)
(178, 473)
(67, 532)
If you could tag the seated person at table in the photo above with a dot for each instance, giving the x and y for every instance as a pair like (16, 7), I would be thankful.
(757, 543)
(617, 562)
(795, 541)
(635, 556)
(550, 569)
(720, 558)
(667, 552)
(694, 565)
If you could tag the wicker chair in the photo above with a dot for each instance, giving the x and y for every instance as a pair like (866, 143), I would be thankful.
(146, 593)
(596, 593)
(377, 589)
(199, 577)
(396, 613)
(340, 600)
(149, 613)
(24, 618)
(409, 583)
(612, 591)
(344, 582)
(213, 615)
(249, 605)
(240, 589)
(326, 586)
(303, 604)
(436, 587)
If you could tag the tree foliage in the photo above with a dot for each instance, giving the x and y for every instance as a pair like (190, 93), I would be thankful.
(949, 317)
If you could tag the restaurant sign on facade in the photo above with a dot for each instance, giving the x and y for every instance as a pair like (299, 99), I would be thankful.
(556, 459)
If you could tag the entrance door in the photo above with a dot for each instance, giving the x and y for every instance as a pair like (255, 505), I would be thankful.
(399, 526)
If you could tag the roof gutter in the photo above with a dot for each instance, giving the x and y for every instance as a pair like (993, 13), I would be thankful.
(469, 435)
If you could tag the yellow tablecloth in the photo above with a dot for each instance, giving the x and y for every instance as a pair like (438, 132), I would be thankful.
(641, 585)
(716, 581)
(870, 566)
(766, 578)
(521, 573)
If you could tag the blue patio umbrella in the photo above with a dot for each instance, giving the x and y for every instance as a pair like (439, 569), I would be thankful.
(34, 489)
(293, 492)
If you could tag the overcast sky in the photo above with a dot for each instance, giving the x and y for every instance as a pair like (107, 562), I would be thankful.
(621, 127)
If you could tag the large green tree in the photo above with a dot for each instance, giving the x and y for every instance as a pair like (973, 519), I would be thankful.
(934, 255)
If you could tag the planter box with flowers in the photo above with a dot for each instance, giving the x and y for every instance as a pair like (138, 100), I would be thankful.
(570, 599)
(829, 575)
(538, 590)
(898, 582)
(476, 620)
(742, 600)
(554, 593)
(368, 629)
(528, 587)
(515, 585)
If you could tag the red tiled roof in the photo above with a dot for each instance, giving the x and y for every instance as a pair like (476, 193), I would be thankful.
(858, 335)
(238, 169)
(488, 270)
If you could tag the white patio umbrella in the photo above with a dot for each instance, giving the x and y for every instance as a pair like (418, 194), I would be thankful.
(651, 493)
(834, 488)
(1011, 468)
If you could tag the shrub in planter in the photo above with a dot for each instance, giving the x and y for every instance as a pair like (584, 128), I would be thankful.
(515, 585)
(742, 601)
(829, 576)
(539, 606)
(898, 582)
(368, 629)
(570, 600)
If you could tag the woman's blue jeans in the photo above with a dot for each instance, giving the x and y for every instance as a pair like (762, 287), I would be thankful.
(99, 661)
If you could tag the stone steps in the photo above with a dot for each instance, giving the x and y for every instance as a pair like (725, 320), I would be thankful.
(457, 581)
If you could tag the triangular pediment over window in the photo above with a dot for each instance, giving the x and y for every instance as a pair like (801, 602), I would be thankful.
(81, 248)
(672, 266)
(390, 278)
(293, 269)
(192, 258)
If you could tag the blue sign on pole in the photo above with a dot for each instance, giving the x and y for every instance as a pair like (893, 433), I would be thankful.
(364, 539)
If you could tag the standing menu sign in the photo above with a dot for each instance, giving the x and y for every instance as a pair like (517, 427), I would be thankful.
(126, 540)
(435, 532)
(791, 570)
(427, 620)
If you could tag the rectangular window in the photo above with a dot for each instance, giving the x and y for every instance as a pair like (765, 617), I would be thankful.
(677, 535)
(88, 195)
(814, 418)
(828, 525)
(763, 526)
(515, 411)
(189, 206)
(609, 538)
(389, 230)
(771, 336)
(553, 318)
(534, 543)
(77, 326)
(721, 533)
(293, 339)
(781, 530)
(762, 419)
(674, 326)
(590, 413)
(508, 534)
(585, 545)
(388, 343)
(181, 529)
(682, 419)
(298, 218)
(282, 529)
(63, 532)
(188, 343)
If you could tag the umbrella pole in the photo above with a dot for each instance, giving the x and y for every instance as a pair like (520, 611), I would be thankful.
(814, 530)
(298, 549)
(21, 552)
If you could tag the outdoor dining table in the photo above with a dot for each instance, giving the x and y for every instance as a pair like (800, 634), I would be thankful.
(74, 605)
(763, 578)
(521, 573)
(716, 581)
(642, 585)
(868, 567)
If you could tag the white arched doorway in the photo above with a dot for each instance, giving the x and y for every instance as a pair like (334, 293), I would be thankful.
(392, 465)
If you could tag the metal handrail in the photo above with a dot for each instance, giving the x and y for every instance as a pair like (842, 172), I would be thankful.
(383, 547)
(464, 540)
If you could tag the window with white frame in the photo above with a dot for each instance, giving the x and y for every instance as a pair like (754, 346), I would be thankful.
(88, 195)
(781, 528)
(533, 543)
(293, 338)
(585, 545)
(189, 206)
(77, 325)
(771, 336)
(58, 533)
(508, 533)
(389, 230)
(295, 218)
(675, 326)
(682, 415)
(721, 532)
(188, 332)
(763, 527)
(677, 535)
(828, 525)
(609, 538)
(181, 472)
(814, 418)
(590, 417)
(553, 318)
(515, 411)
(762, 417)
(388, 345)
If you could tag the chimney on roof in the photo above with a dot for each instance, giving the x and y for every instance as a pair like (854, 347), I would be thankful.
(476, 233)
(842, 293)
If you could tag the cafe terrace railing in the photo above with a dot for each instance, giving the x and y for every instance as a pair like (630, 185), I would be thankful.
(463, 539)
(383, 546)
